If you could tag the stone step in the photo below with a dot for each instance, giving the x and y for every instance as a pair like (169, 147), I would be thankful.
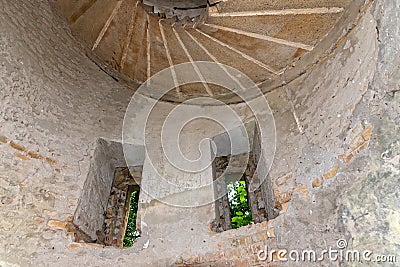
(109, 45)
(71, 9)
(141, 72)
(198, 54)
(132, 48)
(229, 57)
(88, 23)
(158, 55)
(273, 55)
(179, 54)
(175, 49)
(255, 5)
(302, 28)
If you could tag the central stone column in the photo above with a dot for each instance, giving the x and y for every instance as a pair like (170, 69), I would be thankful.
(177, 194)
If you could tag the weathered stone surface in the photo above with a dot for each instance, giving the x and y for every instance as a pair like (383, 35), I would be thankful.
(57, 224)
(56, 104)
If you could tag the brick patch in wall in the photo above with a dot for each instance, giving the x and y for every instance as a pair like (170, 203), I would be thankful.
(236, 251)
(356, 141)
(24, 153)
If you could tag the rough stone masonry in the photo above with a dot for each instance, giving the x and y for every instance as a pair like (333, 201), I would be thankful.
(336, 172)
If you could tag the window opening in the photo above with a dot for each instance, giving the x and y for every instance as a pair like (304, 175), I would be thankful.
(239, 204)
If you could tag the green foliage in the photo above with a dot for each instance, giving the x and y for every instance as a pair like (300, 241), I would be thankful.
(131, 232)
(239, 207)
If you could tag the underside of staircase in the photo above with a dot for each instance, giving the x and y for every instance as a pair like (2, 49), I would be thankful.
(262, 39)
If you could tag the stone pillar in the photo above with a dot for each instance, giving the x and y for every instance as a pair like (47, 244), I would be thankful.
(176, 203)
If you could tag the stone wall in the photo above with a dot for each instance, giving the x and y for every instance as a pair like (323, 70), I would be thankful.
(55, 104)
(336, 169)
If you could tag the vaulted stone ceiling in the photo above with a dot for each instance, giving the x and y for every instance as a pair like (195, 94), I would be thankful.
(263, 39)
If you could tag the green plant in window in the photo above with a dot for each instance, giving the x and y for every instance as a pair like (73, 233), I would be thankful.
(131, 232)
(239, 207)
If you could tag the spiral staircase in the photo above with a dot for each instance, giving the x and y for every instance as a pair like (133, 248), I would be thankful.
(261, 38)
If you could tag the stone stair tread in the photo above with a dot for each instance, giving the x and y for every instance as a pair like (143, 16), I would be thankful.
(197, 54)
(178, 56)
(228, 57)
(276, 56)
(89, 24)
(254, 5)
(71, 7)
(133, 49)
(302, 28)
(140, 73)
(194, 49)
(158, 56)
(109, 47)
